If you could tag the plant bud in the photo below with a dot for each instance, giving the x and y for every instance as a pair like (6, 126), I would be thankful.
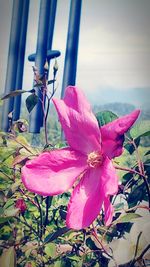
(46, 67)
(55, 67)
(21, 205)
(28, 264)
(20, 126)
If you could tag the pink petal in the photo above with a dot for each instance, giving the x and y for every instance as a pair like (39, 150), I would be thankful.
(109, 210)
(86, 200)
(78, 122)
(53, 172)
(112, 134)
(109, 178)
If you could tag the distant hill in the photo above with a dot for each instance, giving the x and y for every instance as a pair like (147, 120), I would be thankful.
(137, 97)
(121, 109)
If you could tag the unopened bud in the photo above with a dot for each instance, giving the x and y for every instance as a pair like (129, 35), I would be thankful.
(46, 67)
(35, 68)
(28, 264)
(21, 126)
(55, 68)
(10, 115)
(21, 205)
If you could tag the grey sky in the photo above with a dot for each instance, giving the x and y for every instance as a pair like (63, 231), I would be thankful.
(114, 48)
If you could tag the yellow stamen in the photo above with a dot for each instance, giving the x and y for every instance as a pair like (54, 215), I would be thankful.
(95, 159)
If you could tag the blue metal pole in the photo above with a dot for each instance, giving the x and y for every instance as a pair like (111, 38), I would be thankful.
(21, 55)
(36, 115)
(12, 60)
(51, 24)
(70, 66)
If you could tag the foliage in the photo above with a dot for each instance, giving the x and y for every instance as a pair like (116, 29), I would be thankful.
(33, 231)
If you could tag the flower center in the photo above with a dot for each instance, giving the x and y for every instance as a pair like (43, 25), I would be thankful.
(95, 159)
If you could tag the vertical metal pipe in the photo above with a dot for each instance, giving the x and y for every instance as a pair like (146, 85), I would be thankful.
(12, 60)
(51, 24)
(21, 55)
(70, 66)
(41, 53)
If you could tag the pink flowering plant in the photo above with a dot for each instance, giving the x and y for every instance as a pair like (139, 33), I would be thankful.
(87, 160)
(64, 205)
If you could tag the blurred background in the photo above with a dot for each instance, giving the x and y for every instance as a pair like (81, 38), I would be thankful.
(113, 67)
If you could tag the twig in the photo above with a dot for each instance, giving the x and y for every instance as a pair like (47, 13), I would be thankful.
(140, 174)
(142, 254)
(94, 233)
(48, 204)
(140, 257)
(41, 216)
(137, 245)
(129, 170)
(141, 169)
(29, 198)
(29, 226)
(24, 146)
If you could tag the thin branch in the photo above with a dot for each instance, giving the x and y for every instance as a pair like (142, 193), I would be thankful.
(29, 198)
(48, 204)
(137, 245)
(129, 170)
(41, 216)
(29, 226)
(140, 174)
(94, 233)
(24, 146)
(143, 253)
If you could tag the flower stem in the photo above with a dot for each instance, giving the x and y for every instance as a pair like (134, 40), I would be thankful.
(48, 204)
(41, 216)
(94, 233)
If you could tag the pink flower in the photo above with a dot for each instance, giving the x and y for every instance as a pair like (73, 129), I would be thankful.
(88, 158)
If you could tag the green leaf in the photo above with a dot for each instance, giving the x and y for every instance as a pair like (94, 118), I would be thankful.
(8, 258)
(50, 250)
(19, 159)
(11, 212)
(4, 219)
(119, 206)
(147, 153)
(130, 147)
(31, 102)
(56, 234)
(74, 258)
(147, 162)
(128, 217)
(104, 117)
(9, 203)
(14, 93)
(91, 244)
(137, 194)
(1, 211)
(57, 264)
(142, 128)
